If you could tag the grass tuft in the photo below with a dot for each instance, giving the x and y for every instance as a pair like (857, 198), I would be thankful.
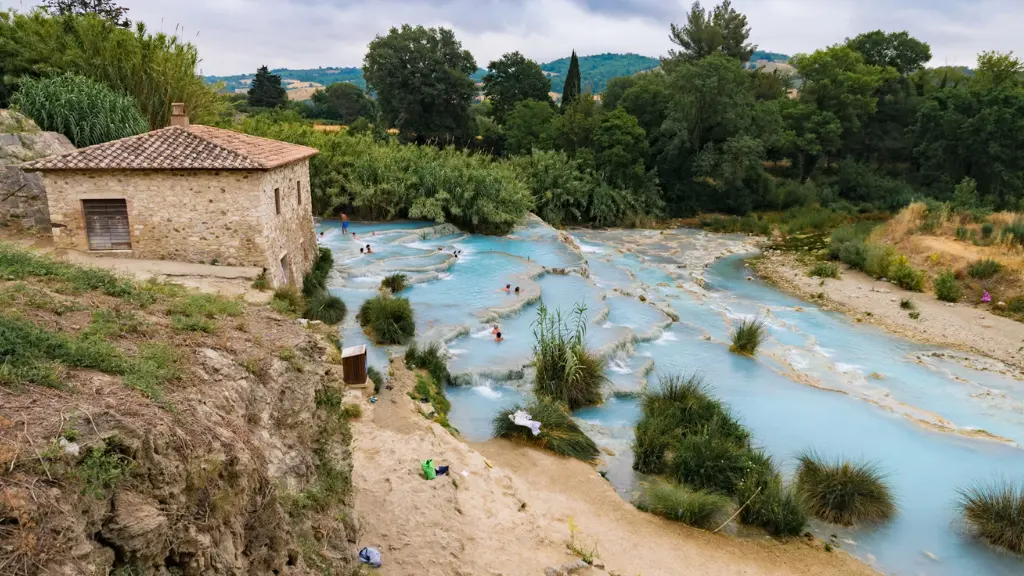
(907, 304)
(769, 504)
(748, 336)
(558, 432)
(824, 270)
(946, 287)
(843, 492)
(698, 508)
(102, 469)
(325, 308)
(567, 371)
(395, 282)
(996, 513)
(288, 301)
(387, 319)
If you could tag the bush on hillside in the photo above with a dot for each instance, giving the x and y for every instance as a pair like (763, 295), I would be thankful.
(843, 492)
(877, 260)
(697, 508)
(824, 270)
(326, 308)
(995, 512)
(558, 432)
(984, 269)
(946, 287)
(1014, 231)
(748, 336)
(86, 111)
(904, 275)
(769, 504)
(566, 370)
(395, 282)
(288, 301)
(387, 319)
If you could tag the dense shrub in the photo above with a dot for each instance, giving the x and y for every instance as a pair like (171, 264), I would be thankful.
(1014, 231)
(904, 275)
(878, 258)
(86, 111)
(946, 287)
(983, 269)
(387, 319)
(376, 377)
(558, 432)
(566, 370)
(996, 513)
(986, 230)
(395, 282)
(711, 460)
(843, 492)
(427, 389)
(748, 336)
(824, 270)
(432, 359)
(326, 308)
(698, 508)
(288, 301)
(771, 505)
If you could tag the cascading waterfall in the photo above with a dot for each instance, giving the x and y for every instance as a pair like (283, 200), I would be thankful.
(934, 419)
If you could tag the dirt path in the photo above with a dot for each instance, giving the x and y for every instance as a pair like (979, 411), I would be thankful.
(509, 513)
(956, 326)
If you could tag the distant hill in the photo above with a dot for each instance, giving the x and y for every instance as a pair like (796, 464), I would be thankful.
(595, 71)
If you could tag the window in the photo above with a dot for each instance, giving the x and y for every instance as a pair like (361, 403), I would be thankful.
(285, 269)
(277, 199)
(106, 224)
(298, 192)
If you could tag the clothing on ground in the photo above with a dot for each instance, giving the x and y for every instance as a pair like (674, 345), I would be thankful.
(370, 556)
(522, 418)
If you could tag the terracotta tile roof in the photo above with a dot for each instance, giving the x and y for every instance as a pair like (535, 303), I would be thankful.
(194, 147)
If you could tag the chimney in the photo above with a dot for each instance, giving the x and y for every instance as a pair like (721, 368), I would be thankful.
(178, 115)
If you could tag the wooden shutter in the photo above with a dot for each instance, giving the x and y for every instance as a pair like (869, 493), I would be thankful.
(106, 225)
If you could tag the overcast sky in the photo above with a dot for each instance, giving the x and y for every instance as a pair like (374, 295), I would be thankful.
(237, 36)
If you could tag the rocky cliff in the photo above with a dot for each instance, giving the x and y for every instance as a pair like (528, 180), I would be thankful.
(22, 197)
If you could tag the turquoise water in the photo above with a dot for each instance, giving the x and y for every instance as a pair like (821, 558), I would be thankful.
(820, 382)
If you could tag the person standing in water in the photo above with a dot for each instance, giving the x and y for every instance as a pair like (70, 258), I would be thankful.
(344, 223)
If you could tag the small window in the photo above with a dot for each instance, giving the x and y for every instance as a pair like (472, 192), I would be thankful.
(277, 199)
(298, 192)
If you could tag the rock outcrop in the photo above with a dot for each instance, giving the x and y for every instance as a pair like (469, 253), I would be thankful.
(22, 196)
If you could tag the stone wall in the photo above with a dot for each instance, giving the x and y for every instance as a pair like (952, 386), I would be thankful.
(188, 216)
(22, 196)
(290, 233)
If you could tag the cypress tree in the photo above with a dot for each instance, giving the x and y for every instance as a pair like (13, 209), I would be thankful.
(266, 90)
(573, 85)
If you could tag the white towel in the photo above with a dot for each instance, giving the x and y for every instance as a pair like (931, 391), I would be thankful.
(521, 418)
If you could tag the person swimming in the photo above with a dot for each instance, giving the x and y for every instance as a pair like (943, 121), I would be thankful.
(507, 288)
(498, 338)
(495, 330)
(368, 249)
(362, 250)
(517, 290)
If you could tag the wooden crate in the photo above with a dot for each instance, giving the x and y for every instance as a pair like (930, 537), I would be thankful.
(353, 365)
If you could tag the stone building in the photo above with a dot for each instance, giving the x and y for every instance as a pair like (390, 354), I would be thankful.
(189, 193)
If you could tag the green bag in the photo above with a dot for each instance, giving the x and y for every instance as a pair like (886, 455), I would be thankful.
(428, 469)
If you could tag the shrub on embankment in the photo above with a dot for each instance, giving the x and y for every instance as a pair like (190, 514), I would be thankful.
(431, 358)
(387, 319)
(567, 371)
(698, 508)
(843, 492)
(558, 432)
(691, 437)
(850, 244)
(314, 302)
(995, 512)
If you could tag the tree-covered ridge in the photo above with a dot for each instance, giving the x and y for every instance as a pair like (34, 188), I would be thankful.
(325, 76)
(598, 69)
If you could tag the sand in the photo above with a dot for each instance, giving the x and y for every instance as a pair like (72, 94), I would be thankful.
(509, 513)
(957, 326)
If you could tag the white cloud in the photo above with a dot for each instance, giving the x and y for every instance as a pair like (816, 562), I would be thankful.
(236, 36)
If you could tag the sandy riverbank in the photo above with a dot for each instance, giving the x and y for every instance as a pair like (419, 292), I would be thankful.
(957, 326)
(509, 515)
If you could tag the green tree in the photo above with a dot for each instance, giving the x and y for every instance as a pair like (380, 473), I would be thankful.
(105, 9)
(615, 89)
(86, 111)
(621, 146)
(422, 80)
(705, 33)
(155, 69)
(647, 101)
(530, 126)
(996, 70)
(512, 79)
(837, 80)
(572, 88)
(266, 90)
(341, 101)
(576, 128)
(897, 50)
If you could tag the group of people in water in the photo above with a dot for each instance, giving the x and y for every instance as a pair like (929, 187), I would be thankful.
(496, 330)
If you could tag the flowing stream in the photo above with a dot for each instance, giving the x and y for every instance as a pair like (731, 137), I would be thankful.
(934, 420)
